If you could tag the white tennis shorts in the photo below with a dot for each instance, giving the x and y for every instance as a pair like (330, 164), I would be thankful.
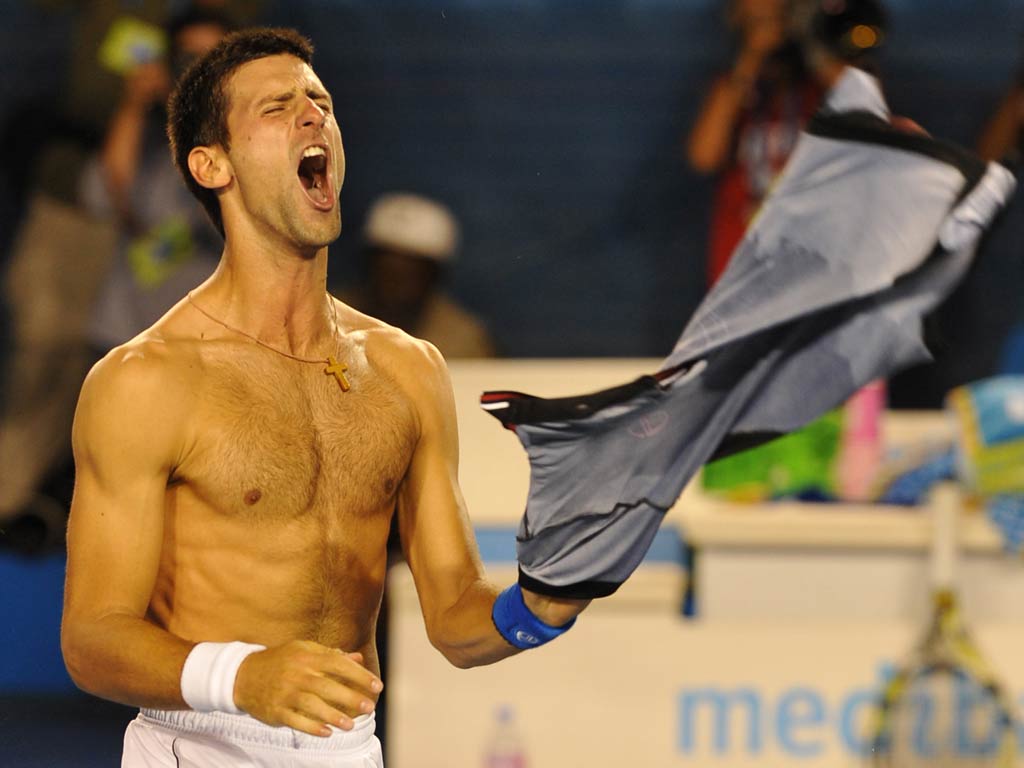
(187, 739)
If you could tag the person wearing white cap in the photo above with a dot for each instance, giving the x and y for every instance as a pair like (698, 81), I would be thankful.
(410, 241)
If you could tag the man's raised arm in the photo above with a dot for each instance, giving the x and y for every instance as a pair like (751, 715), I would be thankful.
(466, 617)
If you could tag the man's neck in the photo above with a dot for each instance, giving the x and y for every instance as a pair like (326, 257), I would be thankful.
(278, 297)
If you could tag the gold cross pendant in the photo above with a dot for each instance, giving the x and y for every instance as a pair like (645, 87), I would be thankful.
(337, 370)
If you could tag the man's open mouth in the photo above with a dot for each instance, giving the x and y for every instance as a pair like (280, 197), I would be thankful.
(314, 179)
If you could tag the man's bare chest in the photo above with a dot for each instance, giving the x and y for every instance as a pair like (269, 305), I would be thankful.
(280, 441)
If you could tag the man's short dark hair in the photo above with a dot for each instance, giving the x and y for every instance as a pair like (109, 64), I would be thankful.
(197, 111)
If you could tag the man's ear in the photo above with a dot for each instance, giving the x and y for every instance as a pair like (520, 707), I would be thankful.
(210, 167)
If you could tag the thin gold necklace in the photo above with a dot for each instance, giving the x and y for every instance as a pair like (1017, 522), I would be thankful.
(334, 368)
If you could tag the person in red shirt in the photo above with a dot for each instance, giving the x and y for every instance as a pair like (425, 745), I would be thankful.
(752, 116)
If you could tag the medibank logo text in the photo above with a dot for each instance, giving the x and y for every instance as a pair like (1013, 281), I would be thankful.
(800, 721)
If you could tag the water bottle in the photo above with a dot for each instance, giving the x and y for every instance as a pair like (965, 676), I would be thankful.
(505, 749)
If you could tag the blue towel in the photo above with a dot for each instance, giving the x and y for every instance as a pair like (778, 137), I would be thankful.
(913, 486)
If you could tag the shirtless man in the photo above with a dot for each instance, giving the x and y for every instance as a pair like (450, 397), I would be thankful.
(239, 462)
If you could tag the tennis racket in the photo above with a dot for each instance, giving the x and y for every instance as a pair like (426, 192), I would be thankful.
(944, 706)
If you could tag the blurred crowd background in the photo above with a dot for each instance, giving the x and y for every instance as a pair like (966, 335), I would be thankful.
(525, 179)
(554, 130)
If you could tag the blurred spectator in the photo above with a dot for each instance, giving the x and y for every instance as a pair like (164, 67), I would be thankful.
(750, 119)
(979, 331)
(790, 53)
(1002, 139)
(61, 253)
(166, 243)
(787, 55)
(410, 242)
(109, 38)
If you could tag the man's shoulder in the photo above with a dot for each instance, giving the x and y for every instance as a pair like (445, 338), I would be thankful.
(135, 401)
(390, 346)
(414, 365)
(147, 365)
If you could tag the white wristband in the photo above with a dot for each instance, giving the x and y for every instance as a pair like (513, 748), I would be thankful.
(208, 677)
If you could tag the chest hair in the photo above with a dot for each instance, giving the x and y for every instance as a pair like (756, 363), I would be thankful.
(278, 441)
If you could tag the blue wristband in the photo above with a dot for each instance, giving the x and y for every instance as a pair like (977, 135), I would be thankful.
(517, 624)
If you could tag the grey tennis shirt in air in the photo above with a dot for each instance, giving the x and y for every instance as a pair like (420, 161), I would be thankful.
(867, 230)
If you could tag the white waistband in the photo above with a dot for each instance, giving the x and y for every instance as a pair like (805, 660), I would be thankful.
(243, 729)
